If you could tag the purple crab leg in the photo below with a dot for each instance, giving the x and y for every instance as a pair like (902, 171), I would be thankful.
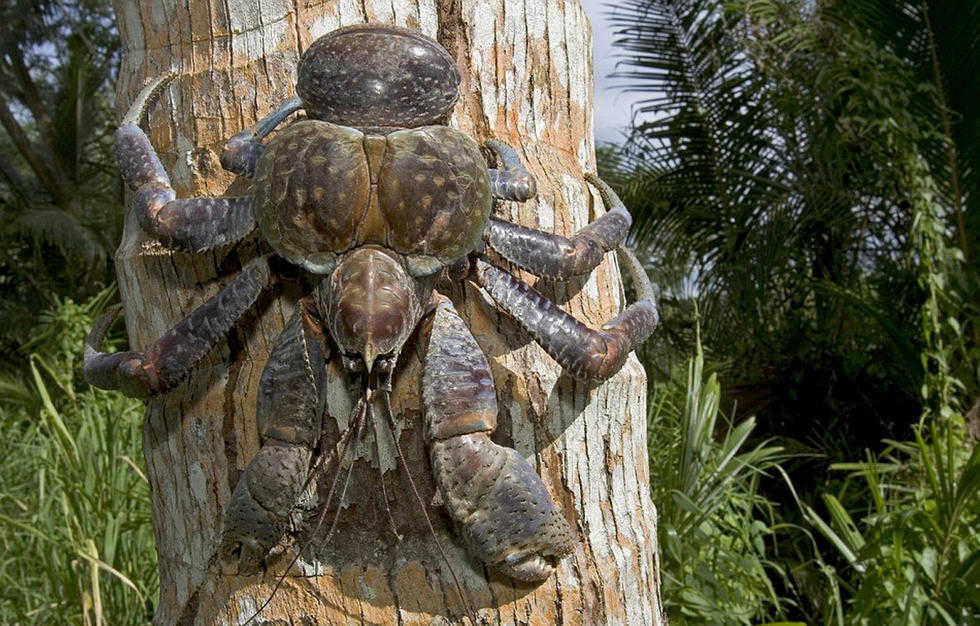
(288, 409)
(497, 502)
(554, 256)
(513, 181)
(585, 352)
(171, 357)
(193, 224)
(242, 150)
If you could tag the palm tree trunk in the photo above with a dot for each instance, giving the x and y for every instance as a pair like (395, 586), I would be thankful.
(526, 80)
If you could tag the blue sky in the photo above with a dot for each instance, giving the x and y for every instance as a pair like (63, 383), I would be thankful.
(612, 105)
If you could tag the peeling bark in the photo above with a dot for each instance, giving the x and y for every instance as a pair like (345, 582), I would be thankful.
(526, 68)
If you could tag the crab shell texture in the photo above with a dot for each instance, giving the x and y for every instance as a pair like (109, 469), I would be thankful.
(323, 189)
(375, 76)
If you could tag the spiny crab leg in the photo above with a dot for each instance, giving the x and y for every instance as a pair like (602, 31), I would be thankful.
(585, 352)
(554, 256)
(498, 503)
(242, 150)
(513, 181)
(192, 224)
(171, 357)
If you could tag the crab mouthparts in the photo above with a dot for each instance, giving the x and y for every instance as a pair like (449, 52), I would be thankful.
(369, 354)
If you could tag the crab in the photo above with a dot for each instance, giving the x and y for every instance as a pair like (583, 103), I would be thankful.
(375, 199)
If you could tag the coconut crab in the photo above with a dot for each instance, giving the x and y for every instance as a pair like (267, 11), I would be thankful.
(375, 199)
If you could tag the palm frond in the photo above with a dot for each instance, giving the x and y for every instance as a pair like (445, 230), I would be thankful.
(61, 229)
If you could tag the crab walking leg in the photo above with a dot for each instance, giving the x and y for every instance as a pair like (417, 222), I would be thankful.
(513, 181)
(170, 358)
(497, 502)
(289, 408)
(194, 224)
(554, 256)
(583, 351)
(242, 150)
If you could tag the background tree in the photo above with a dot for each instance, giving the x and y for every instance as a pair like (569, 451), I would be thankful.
(526, 79)
(59, 194)
(799, 173)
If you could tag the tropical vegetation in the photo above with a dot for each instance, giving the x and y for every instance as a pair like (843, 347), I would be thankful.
(805, 177)
(802, 174)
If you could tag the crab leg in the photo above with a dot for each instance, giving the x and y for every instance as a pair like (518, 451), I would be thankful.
(170, 358)
(288, 410)
(193, 224)
(496, 500)
(583, 351)
(554, 256)
(242, 150)
(513, 181)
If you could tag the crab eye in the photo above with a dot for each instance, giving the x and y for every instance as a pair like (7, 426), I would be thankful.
(384, 363)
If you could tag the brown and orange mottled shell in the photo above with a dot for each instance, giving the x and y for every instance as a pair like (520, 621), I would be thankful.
(322, 189)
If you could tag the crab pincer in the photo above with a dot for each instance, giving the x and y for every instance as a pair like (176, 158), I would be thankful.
(497, 502)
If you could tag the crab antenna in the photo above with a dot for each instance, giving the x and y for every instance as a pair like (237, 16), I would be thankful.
(136, 110)
(386, 403)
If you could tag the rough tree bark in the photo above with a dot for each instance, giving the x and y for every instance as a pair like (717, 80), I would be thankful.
(526, 68)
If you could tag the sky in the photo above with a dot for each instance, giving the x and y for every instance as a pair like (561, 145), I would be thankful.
(612, 105)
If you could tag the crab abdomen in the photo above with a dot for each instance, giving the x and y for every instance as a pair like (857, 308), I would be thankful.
(322, 189)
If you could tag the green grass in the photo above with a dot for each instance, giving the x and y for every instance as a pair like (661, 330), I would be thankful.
(74, 501)
(909, 535)
(894, 540)
(716, 528)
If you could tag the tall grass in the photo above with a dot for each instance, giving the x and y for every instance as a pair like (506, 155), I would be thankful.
(911, 541)
(74, 503)
(716, 529)
(907, 521)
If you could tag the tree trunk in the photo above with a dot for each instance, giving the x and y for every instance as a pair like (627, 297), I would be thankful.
(526, 68)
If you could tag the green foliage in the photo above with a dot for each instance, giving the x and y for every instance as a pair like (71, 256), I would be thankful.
(714, 524)
(912, 547)
(74, 501)
(758, 174)
(59, 191)
(807, 167)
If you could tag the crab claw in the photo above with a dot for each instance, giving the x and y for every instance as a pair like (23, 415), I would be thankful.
(501, 507)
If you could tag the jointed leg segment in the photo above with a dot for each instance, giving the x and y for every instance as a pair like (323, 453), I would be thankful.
(554, 256)
(513, 181)
(498, 503)
(242, 150)
(583, 351)
(289, 410)
(194, 224)
(171, 357)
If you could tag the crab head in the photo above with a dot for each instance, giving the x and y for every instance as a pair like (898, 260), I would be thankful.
(372, 306)
(377, 78)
